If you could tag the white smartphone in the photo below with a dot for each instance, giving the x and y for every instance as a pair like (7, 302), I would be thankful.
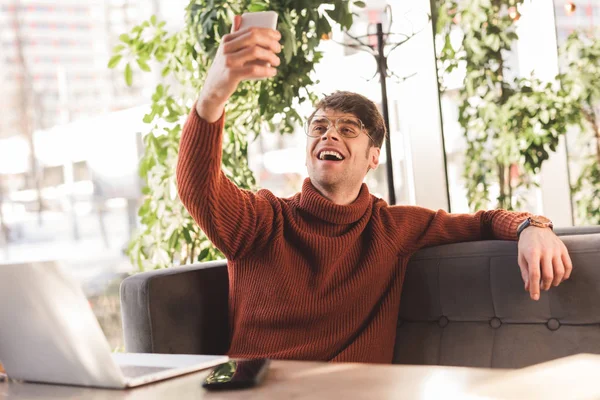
(261, 19)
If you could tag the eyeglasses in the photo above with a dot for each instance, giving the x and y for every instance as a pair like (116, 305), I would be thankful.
(348, 127)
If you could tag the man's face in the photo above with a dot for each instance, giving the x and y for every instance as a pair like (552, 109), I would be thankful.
(346, 160)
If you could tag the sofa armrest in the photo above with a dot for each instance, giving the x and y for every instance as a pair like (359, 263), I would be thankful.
(181, 310)
(577, 230)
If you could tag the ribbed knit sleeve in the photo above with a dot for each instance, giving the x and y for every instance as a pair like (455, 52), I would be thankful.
(232, 218)
(421, 227)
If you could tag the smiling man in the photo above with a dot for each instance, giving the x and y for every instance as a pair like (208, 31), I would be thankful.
(349, 151)
(318, 276)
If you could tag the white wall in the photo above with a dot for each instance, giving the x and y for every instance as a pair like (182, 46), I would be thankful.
(538, 53)
(417, 97)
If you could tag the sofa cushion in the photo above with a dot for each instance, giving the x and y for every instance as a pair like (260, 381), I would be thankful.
(455, 311)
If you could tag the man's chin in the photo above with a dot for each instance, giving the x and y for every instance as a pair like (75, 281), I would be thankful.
(325, 181)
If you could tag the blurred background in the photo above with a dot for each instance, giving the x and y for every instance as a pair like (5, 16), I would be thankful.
(71, 131)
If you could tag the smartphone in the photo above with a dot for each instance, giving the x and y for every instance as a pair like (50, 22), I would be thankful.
(239, 374)
(261, 19)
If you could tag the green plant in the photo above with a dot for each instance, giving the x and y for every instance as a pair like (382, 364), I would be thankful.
(511, 125)
(581, 78)
(168, 234)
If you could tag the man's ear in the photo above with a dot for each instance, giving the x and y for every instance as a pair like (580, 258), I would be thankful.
(374, 153)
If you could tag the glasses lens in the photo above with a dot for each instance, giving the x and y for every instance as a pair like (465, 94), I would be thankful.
(317, 126)
(348, 126)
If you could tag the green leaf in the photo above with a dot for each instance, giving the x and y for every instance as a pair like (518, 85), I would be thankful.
(148, 118)
(512, 36)
(360, 4)
(186, 235)
(128, 74)
(160, 55)
(124, 38)
(288, 44)
(114, 60)
(257, 6)
(143, 65)
(153, 19)
(203, 254)
(172, 243)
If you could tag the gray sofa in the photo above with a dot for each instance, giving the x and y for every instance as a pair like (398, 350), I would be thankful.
(462, 304)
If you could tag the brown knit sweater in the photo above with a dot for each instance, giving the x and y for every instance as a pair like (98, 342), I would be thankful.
(309, 279)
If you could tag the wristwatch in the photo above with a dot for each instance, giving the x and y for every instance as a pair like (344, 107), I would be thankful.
(536, 220)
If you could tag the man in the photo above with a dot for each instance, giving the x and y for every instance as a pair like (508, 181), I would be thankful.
(318, 276)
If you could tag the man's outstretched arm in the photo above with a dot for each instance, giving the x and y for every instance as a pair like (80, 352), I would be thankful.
(543, 258)
(230, 217)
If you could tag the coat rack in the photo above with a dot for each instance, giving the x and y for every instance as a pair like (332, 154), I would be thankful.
(377, 51)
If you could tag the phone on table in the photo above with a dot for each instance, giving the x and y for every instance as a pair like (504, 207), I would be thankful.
(237, 374)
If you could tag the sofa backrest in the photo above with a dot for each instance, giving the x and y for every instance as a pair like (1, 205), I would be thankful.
(465, 305)
(462, 304)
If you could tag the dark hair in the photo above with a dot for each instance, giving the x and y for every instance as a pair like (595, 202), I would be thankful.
(363, 108)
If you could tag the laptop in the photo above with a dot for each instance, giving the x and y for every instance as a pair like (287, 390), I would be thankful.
(49, 334)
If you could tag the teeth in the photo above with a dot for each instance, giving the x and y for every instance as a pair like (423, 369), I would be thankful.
(330, 153)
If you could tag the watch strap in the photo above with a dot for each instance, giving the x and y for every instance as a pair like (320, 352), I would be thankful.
(531, 222)
(522, 226)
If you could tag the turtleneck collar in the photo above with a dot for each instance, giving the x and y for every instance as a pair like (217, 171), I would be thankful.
(314, 203)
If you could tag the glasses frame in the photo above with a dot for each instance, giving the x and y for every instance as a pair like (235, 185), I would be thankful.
(363, 129)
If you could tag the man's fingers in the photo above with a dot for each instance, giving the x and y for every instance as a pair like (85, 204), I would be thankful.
(533, 264)
(545, 258)
(252, 37)
(524, 270)
(237, 20)
(257, 72)
(547, 271)
(274, 34)
(559, 270)
(249, 54)
(566, 259)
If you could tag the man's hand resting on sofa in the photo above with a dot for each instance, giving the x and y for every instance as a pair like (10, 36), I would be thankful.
(543, 259)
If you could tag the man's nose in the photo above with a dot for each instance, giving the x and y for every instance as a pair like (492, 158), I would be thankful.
(331, 133)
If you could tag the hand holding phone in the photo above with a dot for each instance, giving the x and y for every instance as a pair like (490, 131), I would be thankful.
(249, 52)
(262, 19)
(237, 374)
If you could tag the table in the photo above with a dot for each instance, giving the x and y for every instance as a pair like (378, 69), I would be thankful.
(291, 380)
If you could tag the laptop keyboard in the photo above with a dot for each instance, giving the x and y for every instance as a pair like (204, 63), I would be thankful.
(135, 371)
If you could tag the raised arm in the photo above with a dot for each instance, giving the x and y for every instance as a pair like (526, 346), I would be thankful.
(230, 217)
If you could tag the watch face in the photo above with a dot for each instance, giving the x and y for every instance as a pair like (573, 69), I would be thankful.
(540, 220)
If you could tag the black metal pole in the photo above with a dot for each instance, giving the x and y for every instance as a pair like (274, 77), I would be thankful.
(382, 67)
(442, 131)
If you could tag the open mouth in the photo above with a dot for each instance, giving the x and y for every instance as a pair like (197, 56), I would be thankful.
(330, 155)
